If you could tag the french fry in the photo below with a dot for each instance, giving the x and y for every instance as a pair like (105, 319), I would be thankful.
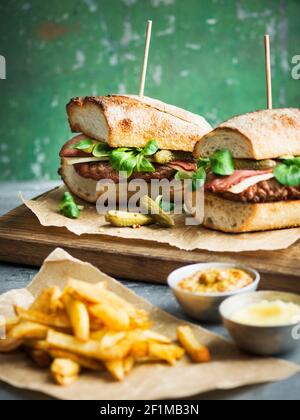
(9, 344)
(114, 318)
(99, 334)
(116, 369)
(41, 303)
(96, 325)
(39, 357)
(97, 293)
(86, 326)
(140, 320)
(79, 317)
(147, 359)
(84, 362)
(154, 336)
(194, 349)
(64, 380)
(128, 364)
(30, 330)
(52, 320)
(55, 300)
(89, 348)
(65, 367)
(111, 338)
(36, 345)
(167, 352)
(48, 301)
(139, 349)
(10, 323)
(65, 371)
(85, 291)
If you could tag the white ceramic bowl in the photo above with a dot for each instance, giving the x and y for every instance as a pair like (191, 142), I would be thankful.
(205, 306)
(264, 341)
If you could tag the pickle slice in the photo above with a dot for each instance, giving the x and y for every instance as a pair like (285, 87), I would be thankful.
(125, 219)
(254, 164)
(152, 208)
(166, 156)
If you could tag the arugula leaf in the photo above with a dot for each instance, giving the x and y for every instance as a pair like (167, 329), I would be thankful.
(124, 159)
(198, 178)
(222, 163)
(143, 164)
(291, 160)
(83, 144)
(68, 206)
(151, 148)
(133, 160)
(118, 156)
(101, 150)
(203, 163)
(181, 175)
(128, 163)
(288, 173)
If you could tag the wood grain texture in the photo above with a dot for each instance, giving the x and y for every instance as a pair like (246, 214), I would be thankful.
(24, 241)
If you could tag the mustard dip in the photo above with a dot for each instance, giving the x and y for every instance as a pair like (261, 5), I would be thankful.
(216, 281)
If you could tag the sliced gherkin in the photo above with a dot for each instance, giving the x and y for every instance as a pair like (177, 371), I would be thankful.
(163, 157)
(125, 219)
(254, 164)
(152, 208)
(166, 156)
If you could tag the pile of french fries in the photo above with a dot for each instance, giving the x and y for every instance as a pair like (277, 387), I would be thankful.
(87, 326)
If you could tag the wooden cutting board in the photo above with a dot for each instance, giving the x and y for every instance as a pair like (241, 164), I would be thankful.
(24, 241)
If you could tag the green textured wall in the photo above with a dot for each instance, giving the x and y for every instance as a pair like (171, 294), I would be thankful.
(206, 56)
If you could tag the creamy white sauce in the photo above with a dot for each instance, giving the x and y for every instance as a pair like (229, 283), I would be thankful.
(249, 182)
(268, 314)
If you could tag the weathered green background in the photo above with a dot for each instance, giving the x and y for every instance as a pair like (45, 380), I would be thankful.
(206, 56)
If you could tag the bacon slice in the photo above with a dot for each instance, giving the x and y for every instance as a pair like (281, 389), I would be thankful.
(220, 184)
(180, 165)
(68, 152)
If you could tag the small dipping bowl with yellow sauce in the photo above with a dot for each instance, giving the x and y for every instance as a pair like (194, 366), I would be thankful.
(263, 323)
(201, 288)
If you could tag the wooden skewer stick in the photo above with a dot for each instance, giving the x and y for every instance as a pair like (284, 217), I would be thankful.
(268, 72)
(146, 56)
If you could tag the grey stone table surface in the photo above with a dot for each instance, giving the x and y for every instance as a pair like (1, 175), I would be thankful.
(16, 276)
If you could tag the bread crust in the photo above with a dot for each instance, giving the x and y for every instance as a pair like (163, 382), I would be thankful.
(235, 217)
(265, 134)
(131, 121)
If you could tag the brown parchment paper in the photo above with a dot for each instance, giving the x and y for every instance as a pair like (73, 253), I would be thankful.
(181, 236)
(229, 368)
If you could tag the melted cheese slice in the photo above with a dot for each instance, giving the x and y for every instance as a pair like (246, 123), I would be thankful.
(249, 182)
(74, 161)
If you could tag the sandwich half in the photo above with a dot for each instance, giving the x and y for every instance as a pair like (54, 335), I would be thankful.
(142, 137)
(251, 168)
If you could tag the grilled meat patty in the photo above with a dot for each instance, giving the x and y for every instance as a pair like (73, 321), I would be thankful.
(103, 170)
(265, 192)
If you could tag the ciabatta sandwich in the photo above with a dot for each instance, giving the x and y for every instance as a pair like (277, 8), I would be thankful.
(251, 172)
(146, 138)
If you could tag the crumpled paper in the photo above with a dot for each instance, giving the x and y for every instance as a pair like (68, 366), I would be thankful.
(229, 367)
(181, 236)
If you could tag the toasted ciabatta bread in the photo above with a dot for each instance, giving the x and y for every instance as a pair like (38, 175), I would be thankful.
(131, 121)
(84, 188)
(265, 134)
(235, 217)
